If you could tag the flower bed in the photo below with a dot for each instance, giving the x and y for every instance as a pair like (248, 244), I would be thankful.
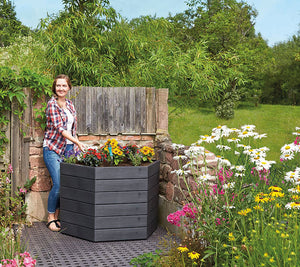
(247, 213)
(112, 153)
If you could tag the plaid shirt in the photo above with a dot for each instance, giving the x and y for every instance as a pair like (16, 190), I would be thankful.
(56, 124)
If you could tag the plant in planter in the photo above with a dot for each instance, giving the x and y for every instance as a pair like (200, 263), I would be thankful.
(112, 195)
(111, 154)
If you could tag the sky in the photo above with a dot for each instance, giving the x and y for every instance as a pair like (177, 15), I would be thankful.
(277, 20)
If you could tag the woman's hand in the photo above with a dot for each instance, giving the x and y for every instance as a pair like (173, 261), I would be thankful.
(81, 146)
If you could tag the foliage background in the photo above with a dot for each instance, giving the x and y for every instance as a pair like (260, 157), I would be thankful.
(208, 56)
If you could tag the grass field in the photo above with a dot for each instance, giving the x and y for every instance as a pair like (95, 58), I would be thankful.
(277, 121)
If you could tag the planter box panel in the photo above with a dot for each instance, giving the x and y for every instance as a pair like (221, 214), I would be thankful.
(153, 180)
(153, 192)
(154, 168)
(77, 170)
(82, 183)
(104, 222)
(105, 234)
(104, 185)
(128, 172)
(77, 206)
(152, 225)
(104, 197)
(105, 210)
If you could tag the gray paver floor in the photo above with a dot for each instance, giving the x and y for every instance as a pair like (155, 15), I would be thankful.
(57, 249)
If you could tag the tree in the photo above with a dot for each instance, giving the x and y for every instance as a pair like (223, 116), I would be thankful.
(227, 28)
(282, 81)
(10, 26)
(75, 40)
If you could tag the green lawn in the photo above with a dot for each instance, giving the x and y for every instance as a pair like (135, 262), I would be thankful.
(278, 122)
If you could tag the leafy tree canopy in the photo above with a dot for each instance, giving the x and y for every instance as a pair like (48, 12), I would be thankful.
(10, 26)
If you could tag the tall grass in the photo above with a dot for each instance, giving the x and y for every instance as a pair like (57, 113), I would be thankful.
(277, 121)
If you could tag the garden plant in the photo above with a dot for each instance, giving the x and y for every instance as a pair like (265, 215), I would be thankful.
(12, 218)
(112, 153)
(245, 211)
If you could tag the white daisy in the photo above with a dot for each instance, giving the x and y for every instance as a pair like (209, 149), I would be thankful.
(228, 185)
(182, 157)
(206, 177)
(292, 205)
(287, 156)
(222, 147)
(228, 207)
(233, 140)
(248, 128)
(288, 148)
(181, 172)
(260, 136)
(177, 146)
(264, 165)
(240, 168)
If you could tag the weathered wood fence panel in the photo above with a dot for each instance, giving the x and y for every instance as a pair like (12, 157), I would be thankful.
(20, 142)
(115, 110)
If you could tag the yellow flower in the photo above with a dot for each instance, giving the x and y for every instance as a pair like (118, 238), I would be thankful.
(293, 253)
(224, 246)
(183, 249)
(278, 205)
(244, 212)
(193, 255)
(262, 198)
(276, 194)
(275, 188)
(284, 235)
(258, 208)
(272, 259)
(266, 255)
(295, 197)
(231, 237)
(237, 257)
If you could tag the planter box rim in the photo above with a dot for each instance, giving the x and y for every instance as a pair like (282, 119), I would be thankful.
(140, 166)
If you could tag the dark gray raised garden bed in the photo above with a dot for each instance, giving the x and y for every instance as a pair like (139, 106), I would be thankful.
(109, 203)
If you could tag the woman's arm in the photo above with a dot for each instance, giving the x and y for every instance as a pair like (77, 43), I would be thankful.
(67, 135)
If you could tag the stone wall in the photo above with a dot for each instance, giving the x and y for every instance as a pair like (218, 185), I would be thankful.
(173, 191)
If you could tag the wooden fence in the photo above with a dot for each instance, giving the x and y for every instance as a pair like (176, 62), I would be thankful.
(100, 111)
(115, 110)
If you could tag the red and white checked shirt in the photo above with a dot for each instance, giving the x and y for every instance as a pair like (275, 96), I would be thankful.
(56, 124)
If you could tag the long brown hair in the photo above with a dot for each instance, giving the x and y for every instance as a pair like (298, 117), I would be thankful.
(61, 76)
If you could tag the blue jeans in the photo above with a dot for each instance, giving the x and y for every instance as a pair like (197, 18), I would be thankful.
(52, 161)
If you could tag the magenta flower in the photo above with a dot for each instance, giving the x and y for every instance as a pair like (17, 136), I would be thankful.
(10, 169)
(23, 190)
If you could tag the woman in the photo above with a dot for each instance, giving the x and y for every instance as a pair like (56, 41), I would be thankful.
(60, 137)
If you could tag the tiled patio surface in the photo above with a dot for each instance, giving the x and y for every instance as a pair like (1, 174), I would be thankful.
(57, 249)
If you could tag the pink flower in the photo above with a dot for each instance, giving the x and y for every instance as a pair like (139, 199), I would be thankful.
(23, 190)
(10, 169)
(7, 180)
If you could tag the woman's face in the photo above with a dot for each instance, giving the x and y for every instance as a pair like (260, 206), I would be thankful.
(61, 87)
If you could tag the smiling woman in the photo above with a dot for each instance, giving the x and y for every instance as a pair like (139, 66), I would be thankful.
(60, 138)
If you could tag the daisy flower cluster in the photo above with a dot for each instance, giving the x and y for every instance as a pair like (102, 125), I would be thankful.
(288, 151)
